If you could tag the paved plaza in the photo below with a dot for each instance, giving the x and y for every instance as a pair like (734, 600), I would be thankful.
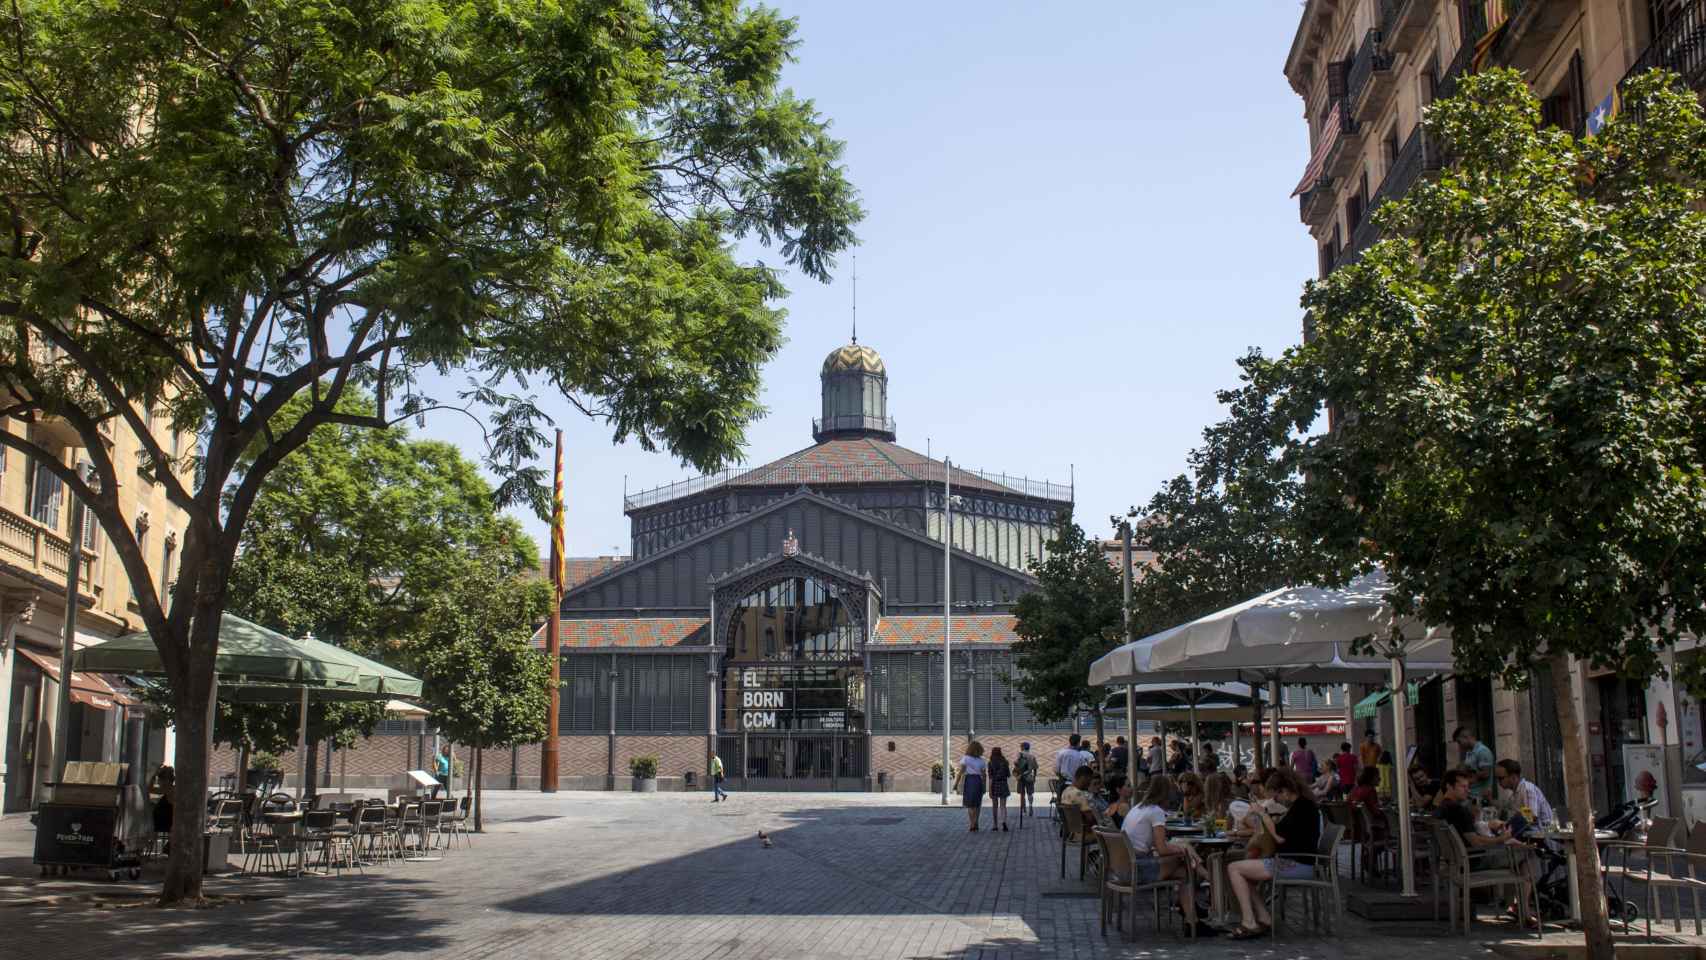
(592, 876)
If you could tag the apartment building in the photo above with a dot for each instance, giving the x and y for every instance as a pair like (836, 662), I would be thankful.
(36, 540)
(1366, 70)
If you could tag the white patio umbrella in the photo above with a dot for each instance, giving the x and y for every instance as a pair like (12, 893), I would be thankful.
(1297, 635)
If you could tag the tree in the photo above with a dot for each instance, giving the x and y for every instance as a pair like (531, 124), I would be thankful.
(484, 682)
(1519, 373)
(1070, 619)
(215, 209)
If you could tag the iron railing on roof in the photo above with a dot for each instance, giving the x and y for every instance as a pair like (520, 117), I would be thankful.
(822, 426)
(813, 474)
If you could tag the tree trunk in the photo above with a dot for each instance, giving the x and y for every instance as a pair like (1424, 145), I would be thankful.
(1596, 928)
(479, 788)
(189, 800)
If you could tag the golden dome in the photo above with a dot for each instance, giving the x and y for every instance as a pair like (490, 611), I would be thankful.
(853, 356)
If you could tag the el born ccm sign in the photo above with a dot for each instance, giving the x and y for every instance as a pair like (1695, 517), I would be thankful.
(758, 706)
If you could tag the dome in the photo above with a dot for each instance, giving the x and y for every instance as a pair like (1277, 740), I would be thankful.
(853, 357)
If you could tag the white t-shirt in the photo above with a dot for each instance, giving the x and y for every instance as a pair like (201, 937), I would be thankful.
(974, 765)
(1067, 762)
(1139, 826)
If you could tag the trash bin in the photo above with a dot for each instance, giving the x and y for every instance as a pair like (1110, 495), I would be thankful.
(692, 780)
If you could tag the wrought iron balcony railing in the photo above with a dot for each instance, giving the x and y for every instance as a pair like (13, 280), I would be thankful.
(1364, 75)
(1679, 47)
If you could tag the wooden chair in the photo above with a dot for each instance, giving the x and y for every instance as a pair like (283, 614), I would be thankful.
(1119, 872)
(1325, 877)
(1074, 831)
(1465, 872)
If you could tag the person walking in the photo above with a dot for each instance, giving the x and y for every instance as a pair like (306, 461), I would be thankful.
(1025, 769)
(999, 773)
(973, 769)
(441, 770)
(717, 791)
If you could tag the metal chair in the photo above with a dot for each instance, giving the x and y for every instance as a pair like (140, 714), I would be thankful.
(1659, 851)
(1074, 830)
(1458, 868)
(408, 825)
(370, 832)
(1325, 876)
(432, 812)
(1119, 863)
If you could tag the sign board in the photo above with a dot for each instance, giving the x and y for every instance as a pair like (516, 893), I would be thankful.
(1639, 758)
(760, 708)
(422, 780)
(68, 834)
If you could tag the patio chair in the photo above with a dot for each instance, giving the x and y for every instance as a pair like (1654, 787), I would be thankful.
(1464, 872)
(1423, 851)
(1660, 851)
(1325, 877)
(1056, 787)
(369, 834)
(1687, 878)
(1371, 844)
(1118, 873)
(1075, 831)
(262, 850)
(453, 821)
(408, 826)
(432, 812)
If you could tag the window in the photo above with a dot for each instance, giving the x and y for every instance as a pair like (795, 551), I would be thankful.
(168, 547)
(1389, 149)
(1430, 79)
(141, 547)
(91, 531)
(1566, 108)
(45, 495)
(1327, 255)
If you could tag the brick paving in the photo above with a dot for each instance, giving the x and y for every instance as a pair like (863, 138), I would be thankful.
(596, 876)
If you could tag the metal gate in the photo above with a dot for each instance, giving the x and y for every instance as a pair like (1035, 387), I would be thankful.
(794, 762)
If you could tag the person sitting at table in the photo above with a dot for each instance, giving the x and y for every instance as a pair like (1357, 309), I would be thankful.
(1098, 794)
(1120, 805)
(1190, 796)
(1078, 794)
(1157, 858)
(1240, 782)
(1325, 784)
(1367, 792)
(1518, 796)
(1424, 790)
(162, 785)
(1217, 795)
(1297, 834)
(1454, 810)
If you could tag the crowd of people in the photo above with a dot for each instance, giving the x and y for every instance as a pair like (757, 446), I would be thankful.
(1273, 814)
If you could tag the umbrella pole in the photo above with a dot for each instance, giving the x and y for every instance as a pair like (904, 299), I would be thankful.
(1401, 780)
(302, 748)
(1276, 712)
(1196, 747)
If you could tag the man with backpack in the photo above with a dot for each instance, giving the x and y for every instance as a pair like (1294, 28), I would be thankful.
(1025, 770)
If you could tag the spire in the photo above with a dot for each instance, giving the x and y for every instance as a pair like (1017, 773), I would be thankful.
(855, 298)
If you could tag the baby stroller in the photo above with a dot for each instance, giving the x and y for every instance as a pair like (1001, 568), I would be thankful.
(1553, 881)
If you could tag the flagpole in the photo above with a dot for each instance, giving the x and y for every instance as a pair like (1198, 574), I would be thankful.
(554, 633)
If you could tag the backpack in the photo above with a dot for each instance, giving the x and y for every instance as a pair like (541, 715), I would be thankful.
(1026, 767)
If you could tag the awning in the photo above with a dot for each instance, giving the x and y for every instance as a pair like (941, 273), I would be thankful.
(86, 688)
(1370, 705)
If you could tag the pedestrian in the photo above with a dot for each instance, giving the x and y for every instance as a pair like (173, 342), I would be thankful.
(1068, 759)
(1371, 749)
(999, 772)
(1478, 760)
(441, 770)
(717, 791)
(973, 770)
(1155, 760)
(1345, 765)
(1025, 769)
(1122, 755)
(1304, 762)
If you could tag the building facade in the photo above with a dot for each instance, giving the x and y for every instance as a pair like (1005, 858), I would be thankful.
(1366, 70)
(36, 540)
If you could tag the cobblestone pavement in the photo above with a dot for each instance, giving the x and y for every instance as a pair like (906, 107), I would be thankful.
(592, 876)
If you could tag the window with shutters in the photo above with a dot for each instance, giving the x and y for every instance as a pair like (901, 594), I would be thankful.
(46, 492)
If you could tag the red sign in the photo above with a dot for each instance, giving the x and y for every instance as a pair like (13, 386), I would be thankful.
(1593, 728)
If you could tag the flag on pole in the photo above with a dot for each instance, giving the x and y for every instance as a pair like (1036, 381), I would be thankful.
(559, 562)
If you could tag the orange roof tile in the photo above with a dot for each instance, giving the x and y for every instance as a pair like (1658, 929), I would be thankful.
(972, 628)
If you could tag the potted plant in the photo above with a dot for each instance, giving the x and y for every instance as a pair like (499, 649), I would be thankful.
(936, 777)
(266, 773)
(644, 770)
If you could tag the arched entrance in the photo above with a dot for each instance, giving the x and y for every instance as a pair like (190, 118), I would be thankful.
(791, 690)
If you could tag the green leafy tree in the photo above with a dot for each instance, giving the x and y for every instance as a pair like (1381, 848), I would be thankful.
(217, 208)
(1070, 619)
(1520, 377)
(482, 678)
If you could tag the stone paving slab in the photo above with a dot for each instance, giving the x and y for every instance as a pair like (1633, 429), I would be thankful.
(597, 876)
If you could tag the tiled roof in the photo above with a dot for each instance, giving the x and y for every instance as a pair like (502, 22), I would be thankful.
(858, 460)
(582, 569)
(629, 632)
(972, 628)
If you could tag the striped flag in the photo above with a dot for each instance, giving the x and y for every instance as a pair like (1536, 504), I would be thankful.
(1323, 144)
(559, 562)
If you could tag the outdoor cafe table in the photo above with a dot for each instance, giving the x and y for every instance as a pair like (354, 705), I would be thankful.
(1213, 851)
(1567, 838)
(293, 820)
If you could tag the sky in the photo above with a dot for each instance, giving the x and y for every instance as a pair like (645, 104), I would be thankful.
(1077, 219)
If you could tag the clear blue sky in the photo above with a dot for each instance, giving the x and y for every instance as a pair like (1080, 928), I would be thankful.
(1077, 219)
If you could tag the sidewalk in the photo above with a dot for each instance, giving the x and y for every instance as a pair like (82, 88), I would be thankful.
(597, 876)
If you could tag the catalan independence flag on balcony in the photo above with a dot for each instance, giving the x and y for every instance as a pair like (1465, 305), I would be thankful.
(1610, 107)
(559, 561)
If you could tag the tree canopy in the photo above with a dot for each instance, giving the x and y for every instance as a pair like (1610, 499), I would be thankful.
(1070, 619)
(218, 208)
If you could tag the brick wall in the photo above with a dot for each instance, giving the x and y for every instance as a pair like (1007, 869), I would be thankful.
(908, 764)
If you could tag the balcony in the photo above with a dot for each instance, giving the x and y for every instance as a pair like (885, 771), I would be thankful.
(1414, 159)
(1680, 47)
(33, 548)
(1344, 151)
(1403, 23)
(1314, 204)
(1369, 85)
(1530, 28)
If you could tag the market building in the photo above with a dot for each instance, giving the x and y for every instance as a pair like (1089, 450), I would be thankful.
(1366, 70)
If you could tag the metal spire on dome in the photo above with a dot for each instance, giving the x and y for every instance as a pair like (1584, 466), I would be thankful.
(855, 298)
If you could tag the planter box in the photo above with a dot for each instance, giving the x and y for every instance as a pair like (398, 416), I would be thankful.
(645, 784)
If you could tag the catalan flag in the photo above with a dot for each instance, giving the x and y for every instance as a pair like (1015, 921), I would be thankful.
(559, 558)
(1608, 108)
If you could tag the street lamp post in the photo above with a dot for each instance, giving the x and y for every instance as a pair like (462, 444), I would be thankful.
(610, 773)
(947, 617)
(971, 696)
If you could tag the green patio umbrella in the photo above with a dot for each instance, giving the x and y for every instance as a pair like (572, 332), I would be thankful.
(255, 664)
